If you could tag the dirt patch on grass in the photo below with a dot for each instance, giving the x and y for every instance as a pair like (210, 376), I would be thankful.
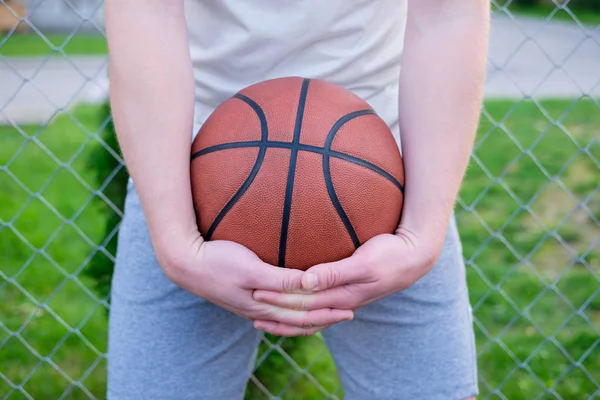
(556, 210)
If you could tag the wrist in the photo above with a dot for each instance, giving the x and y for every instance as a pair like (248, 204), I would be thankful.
(172, 240)
(175, 257)
(426, 231)
(171, 220)
(428, 208)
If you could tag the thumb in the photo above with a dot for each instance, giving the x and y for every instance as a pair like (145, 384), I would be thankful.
(337, 273)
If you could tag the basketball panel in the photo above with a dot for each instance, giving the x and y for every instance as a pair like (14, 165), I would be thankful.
(232, 121)
(369, 138)
(279, 100)
(316, 233)
(215, 178)
(371, 202)
(325, 105)
(255, 220)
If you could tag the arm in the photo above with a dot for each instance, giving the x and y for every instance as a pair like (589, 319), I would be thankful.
(152, 96)
(151, 93)
(441, 87)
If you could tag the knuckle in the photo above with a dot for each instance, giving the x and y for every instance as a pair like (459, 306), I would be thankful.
(287, 284)
(292, 280)
(307, 324)
(259, 312)
(301, 305)
(310, 332)
(266, 315)
(251, 314)
(333, 277)
(248, 279)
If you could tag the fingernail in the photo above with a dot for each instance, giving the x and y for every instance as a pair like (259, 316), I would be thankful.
(312, 281)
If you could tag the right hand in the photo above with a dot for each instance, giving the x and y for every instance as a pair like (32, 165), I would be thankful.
(227, 273)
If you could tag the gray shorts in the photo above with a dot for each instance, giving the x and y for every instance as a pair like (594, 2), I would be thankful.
(165, 343)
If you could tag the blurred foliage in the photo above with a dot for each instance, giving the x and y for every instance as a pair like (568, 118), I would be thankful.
(112, 177)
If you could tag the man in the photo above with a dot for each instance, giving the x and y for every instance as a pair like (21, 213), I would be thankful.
(187, 314)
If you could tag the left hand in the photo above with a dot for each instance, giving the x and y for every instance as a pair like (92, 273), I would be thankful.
(383, 265)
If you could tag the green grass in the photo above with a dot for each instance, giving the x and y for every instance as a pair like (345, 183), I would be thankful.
(495, 272)
(275, 374)
(62, 244)
(535, 314)
(31, 44)
(587, 17)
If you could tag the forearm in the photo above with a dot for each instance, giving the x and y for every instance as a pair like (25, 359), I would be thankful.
(439, 104)
(151, 93)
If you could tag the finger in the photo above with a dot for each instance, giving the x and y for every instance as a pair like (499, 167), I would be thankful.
(268, 277)
(279, 329)
(342, 297)
(302, 319)
(325, 276)
(313, 318)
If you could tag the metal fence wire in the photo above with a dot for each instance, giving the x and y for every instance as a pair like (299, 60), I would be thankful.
(528, 212)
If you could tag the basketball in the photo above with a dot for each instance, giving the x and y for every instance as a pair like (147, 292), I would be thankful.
(300, 171)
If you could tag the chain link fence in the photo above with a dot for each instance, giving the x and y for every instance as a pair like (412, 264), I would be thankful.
(528, 212)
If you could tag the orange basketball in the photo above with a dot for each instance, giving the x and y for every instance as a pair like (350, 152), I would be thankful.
(300, 171)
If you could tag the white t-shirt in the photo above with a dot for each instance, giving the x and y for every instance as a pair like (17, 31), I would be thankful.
(353, 43)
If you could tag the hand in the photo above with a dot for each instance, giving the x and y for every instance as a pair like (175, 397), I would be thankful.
(226, 273)
(383, 265)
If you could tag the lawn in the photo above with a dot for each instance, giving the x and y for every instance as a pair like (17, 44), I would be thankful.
(529, 336)
(587, 17)
(42, 249)
(31, 44)
(534, 280)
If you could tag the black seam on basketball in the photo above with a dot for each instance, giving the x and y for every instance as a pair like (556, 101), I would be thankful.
(327, 172)
(264, 128)
(368, 165)
(289, 188)
(303, 147)
(264, 135)
(227, 146)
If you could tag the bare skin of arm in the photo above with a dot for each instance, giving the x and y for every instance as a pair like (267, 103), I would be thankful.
(152, 100)
(441, 90)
